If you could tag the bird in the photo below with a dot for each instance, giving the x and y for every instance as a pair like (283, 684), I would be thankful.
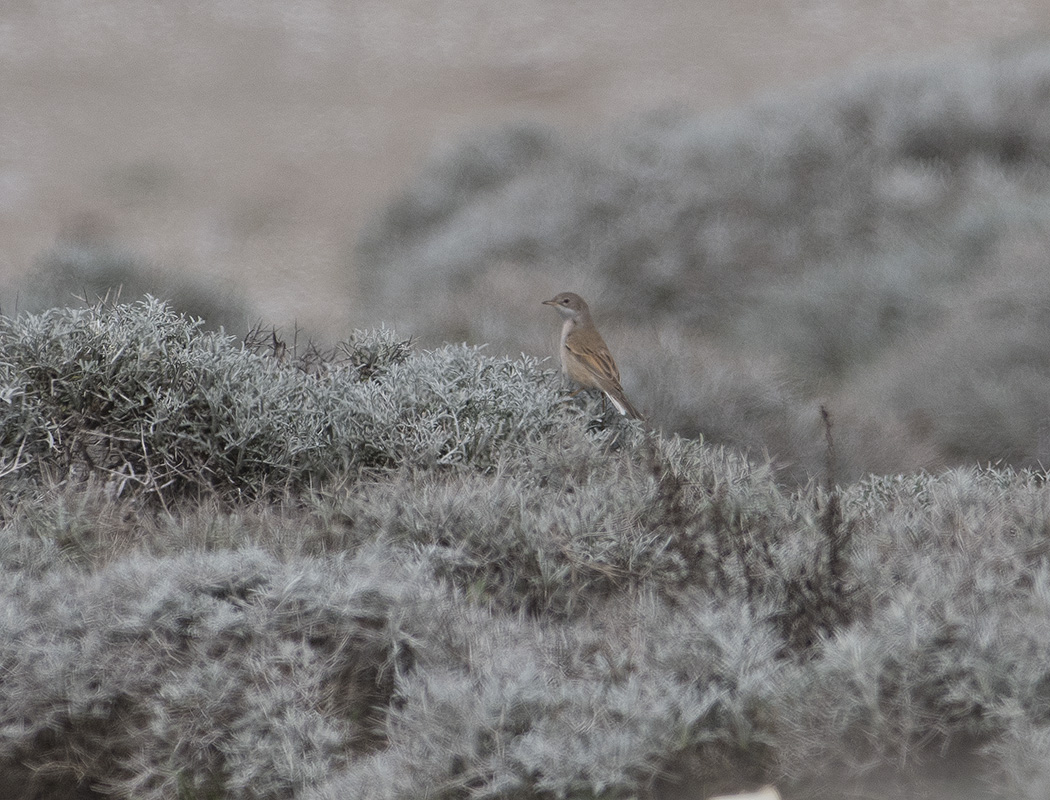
(585, 358)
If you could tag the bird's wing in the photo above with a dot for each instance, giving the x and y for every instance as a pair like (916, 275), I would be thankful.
(596, 359)
(593, 355)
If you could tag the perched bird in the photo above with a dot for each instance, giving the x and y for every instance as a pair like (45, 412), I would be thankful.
(585, 358)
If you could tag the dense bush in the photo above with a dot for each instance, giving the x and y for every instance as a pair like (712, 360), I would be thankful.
(180, 655)
(539, 602)
(147, 400)
(224, 674)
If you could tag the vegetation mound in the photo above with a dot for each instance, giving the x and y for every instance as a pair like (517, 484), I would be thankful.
(226, 571)
(145, 399)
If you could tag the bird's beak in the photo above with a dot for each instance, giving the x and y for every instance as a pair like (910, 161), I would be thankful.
(549, 302)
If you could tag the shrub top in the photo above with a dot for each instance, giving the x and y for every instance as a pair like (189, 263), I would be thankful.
(149, 401)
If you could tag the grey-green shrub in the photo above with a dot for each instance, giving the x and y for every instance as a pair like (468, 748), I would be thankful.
(400, 636)
(225, 674)
(143, 398)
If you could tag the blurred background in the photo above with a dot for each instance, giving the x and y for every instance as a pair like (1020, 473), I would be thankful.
(771, 205)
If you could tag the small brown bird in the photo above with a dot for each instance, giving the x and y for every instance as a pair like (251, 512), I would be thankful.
(585, 358)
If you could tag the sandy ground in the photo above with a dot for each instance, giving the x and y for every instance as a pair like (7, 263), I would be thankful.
(248, 140)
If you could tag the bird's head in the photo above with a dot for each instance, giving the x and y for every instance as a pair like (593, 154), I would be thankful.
(568, 304)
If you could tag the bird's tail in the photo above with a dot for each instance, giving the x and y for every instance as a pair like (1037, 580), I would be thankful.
(623, 405)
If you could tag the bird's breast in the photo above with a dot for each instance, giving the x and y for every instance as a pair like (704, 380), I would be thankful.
(566, 329)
